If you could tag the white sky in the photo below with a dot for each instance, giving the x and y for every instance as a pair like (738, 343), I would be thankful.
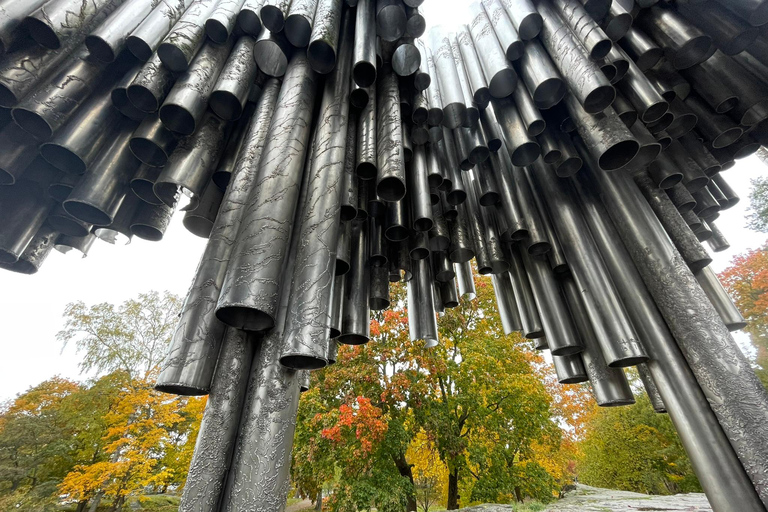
(31, 306)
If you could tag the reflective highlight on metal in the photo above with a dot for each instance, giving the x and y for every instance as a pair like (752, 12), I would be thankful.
(720, 300)
(422, 320)
(356, 310)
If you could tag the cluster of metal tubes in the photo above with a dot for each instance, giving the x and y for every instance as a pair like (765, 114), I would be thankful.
(574, 149)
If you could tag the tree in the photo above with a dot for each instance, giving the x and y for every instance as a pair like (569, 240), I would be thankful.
(34, 445)
(132, 337)
(477, 399)
(746, 280)
(758, 202)
(429, 473)
(635, 449)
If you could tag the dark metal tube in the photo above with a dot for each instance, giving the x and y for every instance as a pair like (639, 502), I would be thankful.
(555, 253)
(17, 153)
(718, 242)
(273, 14)
(317, 221)
(418, 192)
(343, 249)
(645, 98)
(681, 198)
(379, 298)
(391, 19)
(151, 221)
(221, 22)
(65, 23)
(693, 176)
(684, 44)
(523, 150)
(192, 355)
(439, 235)
(650, 389)
(390, 176)
(186, 37)
(540, 75)
(529, 112)
(299, 21)
(465, 280)
(252, 284)
(267, 426)
(35, 253)
(216, 439)
(236, 137)
(324, 39)
(65, 243)
(422, 321)
(536, 243)
(730, 33)
(397, 221)
(108, 40)
(147, 36)
(230, 92)
(366, 163)
(505, 302)
(584, 28)
(718, 129)
(364, 55)
(605, 136)
(349, 184)
(471, 210)
(199, 220)
(460, 249)
(143, 183)
(272, 52)
(517, 229)
(570, 369)
(505, 30)
(66, 224)
(617, 338)
(120, 229)
(493, 135)
(557, 324)
(192, 164)
(524, 17)
(23, 210)
(706, 204)
(499, 74)
(120, 98)
(187, 101)
(474, 71)
(249, 19)
(664, 172)
(152, 142)
(720, 299)
(151, 85)
(447, 79)
(618, 21)
(609, 384)
(13, 15)
(570, 162)
(99, 194)
(356, 312)
(44, 111)
(582, 76)
(641, 48)
(337, 303)
(442, 268)
(712, 354)
(377, 247)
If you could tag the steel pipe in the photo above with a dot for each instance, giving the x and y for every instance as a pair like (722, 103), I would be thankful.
(618, 21)
(379, 298)
(317, 221)
(187, 102)
(641, 48)
(272, 52)
(609, 384)
(273, 14)
(460, 249)
(474, 72)
(504, 29)
(505, 303)
(684, 44)
(249, 19)
(720, 299)
(452, 101)
(144, 40)
(556, 321)
(555, 254)
(98, 196)
(540, 75)
(217, 436)
(199, 220)
(356, 312)
(390, 176)
(66, 224)
(585, 28)
(151, 85)
(65, 23)
(664, 172)
(523, 150)
(109, 38)
(13, 15)
(569, 369)
(150, 221)
(49, 107)
(17, 153)
(229, 94)
(422, 321)
(529, 112)
(35, 253)
(299, 21)
(714, 358)
(179, 47)
(418, 191)
(249, 293)
(499, 75)
(366, 159)
(536, 243)
(516, 228)
(192, 164)
(324, 39)
(24, 211)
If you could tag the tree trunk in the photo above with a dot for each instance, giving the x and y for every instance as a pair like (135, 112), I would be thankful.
(518, 494)
(81, 506)
(96, 501)
(319, 501)
(405, 471)
(453, 490)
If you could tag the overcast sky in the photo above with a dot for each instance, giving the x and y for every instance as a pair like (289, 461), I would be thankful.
(31, 306)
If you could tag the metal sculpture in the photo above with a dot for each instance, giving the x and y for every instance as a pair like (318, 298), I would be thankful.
(584, 189)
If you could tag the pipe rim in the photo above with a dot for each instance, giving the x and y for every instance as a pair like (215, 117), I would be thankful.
(618, 155)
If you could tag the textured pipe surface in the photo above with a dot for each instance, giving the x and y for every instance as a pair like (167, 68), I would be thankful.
(422, 321)
(151, 85)
(194, 347)
(720, 300)
(505, 302)
(390, 165)
(187, 36)
(230, 92)
(147, 36)
(318, 222)
(713, 356)
(250, 291)
(324, 40)
(356, 310)
(216, 439)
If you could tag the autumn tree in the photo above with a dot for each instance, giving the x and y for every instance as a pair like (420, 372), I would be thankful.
(476, 398)
(746, 280)
(636, 449)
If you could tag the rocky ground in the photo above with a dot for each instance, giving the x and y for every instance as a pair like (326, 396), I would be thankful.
(593, 499)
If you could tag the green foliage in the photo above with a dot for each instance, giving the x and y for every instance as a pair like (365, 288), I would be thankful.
(635, 449)
(478, 398)
(758, 205)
